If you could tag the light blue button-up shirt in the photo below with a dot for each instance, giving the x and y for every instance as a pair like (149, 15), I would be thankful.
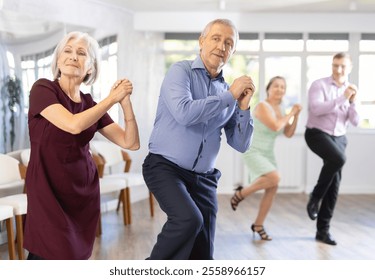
(329, 110)
(193, 109)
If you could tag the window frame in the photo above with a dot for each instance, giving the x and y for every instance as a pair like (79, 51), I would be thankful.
(352, 48)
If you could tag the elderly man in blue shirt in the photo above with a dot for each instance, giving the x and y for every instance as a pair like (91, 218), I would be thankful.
(195, 105)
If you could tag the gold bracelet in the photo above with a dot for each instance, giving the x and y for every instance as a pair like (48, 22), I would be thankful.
(129, 120)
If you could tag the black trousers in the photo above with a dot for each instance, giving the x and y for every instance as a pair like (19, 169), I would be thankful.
(331, 149)
(190, 202)
(32, 256)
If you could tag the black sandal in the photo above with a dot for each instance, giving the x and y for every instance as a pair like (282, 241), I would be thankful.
(262, 233)
(236, 198)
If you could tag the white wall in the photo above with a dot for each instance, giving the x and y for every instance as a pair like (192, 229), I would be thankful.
(358, 174)
(257, 22)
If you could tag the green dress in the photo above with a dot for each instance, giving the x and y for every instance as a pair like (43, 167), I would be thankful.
(260, 157)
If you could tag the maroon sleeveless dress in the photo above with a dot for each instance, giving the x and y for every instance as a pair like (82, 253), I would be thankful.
(62, 180)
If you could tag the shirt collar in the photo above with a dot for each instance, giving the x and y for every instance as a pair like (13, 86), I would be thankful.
(198, 64)
(332, 81)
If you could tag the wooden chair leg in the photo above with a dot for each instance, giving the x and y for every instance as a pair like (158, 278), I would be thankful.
(151, 199)
(128, 205)
(19, 228)
(10, 234)
(122, 199)
(99, 226)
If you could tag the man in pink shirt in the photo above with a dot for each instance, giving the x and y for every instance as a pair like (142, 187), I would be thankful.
(331, 106)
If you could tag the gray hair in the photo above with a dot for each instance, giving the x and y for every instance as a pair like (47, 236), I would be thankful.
(93, 52)
(226, 22)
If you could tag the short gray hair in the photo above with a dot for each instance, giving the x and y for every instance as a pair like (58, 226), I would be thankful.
(93, 52)
(223, 21)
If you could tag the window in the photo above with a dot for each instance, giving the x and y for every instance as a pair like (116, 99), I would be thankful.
(300, 58)
(366, 94)
(241, 64)
(275, 66)
(318, 66)
(34, 67)
(367, 43)
(11, 63)
(249, 42)
(366, 74)
(108, 73)
(180, 46)
(287, 42)
(327, 42)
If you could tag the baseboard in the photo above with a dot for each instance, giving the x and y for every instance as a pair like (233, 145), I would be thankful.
(344, 189)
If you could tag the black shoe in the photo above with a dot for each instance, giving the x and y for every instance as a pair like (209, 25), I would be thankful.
(236, 198)
(262, 233)
(313, 207)
(325, 238)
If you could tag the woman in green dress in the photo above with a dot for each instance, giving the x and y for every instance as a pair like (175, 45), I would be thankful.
(270, 120)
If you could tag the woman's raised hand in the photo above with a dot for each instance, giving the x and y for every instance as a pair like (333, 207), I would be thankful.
(120, 89)
(296, 109)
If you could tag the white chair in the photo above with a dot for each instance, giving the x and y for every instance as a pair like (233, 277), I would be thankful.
(19, 204)
(23, 156)
(6, 214)
(10, 176)
(109, 185)
(10, 180)
(114, 156)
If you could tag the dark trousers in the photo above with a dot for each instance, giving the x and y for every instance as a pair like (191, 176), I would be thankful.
(190, 202)
(32, 256)
(331, 149)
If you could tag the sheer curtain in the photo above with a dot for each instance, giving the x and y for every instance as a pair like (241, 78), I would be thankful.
(20, 123)
(4, 72)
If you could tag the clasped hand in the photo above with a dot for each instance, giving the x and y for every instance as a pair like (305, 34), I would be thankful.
(121, 89)
(351, 93)
(296, 109)
(242, 90)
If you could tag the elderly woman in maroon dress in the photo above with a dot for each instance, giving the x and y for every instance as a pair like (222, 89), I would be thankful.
(62, 180)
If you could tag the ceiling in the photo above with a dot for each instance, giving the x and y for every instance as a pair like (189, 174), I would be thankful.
(248, 6)
(15, 28)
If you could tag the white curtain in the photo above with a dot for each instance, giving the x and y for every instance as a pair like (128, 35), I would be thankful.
(20, 122)
(4, 72)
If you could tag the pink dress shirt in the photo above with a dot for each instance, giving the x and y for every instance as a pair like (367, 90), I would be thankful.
(328, 108)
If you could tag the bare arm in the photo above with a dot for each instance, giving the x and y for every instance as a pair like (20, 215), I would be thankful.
(127, 138)
(266, 116)
(59, 116)
(290, 128)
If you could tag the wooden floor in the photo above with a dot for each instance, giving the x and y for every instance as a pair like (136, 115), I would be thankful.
(353, 227)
